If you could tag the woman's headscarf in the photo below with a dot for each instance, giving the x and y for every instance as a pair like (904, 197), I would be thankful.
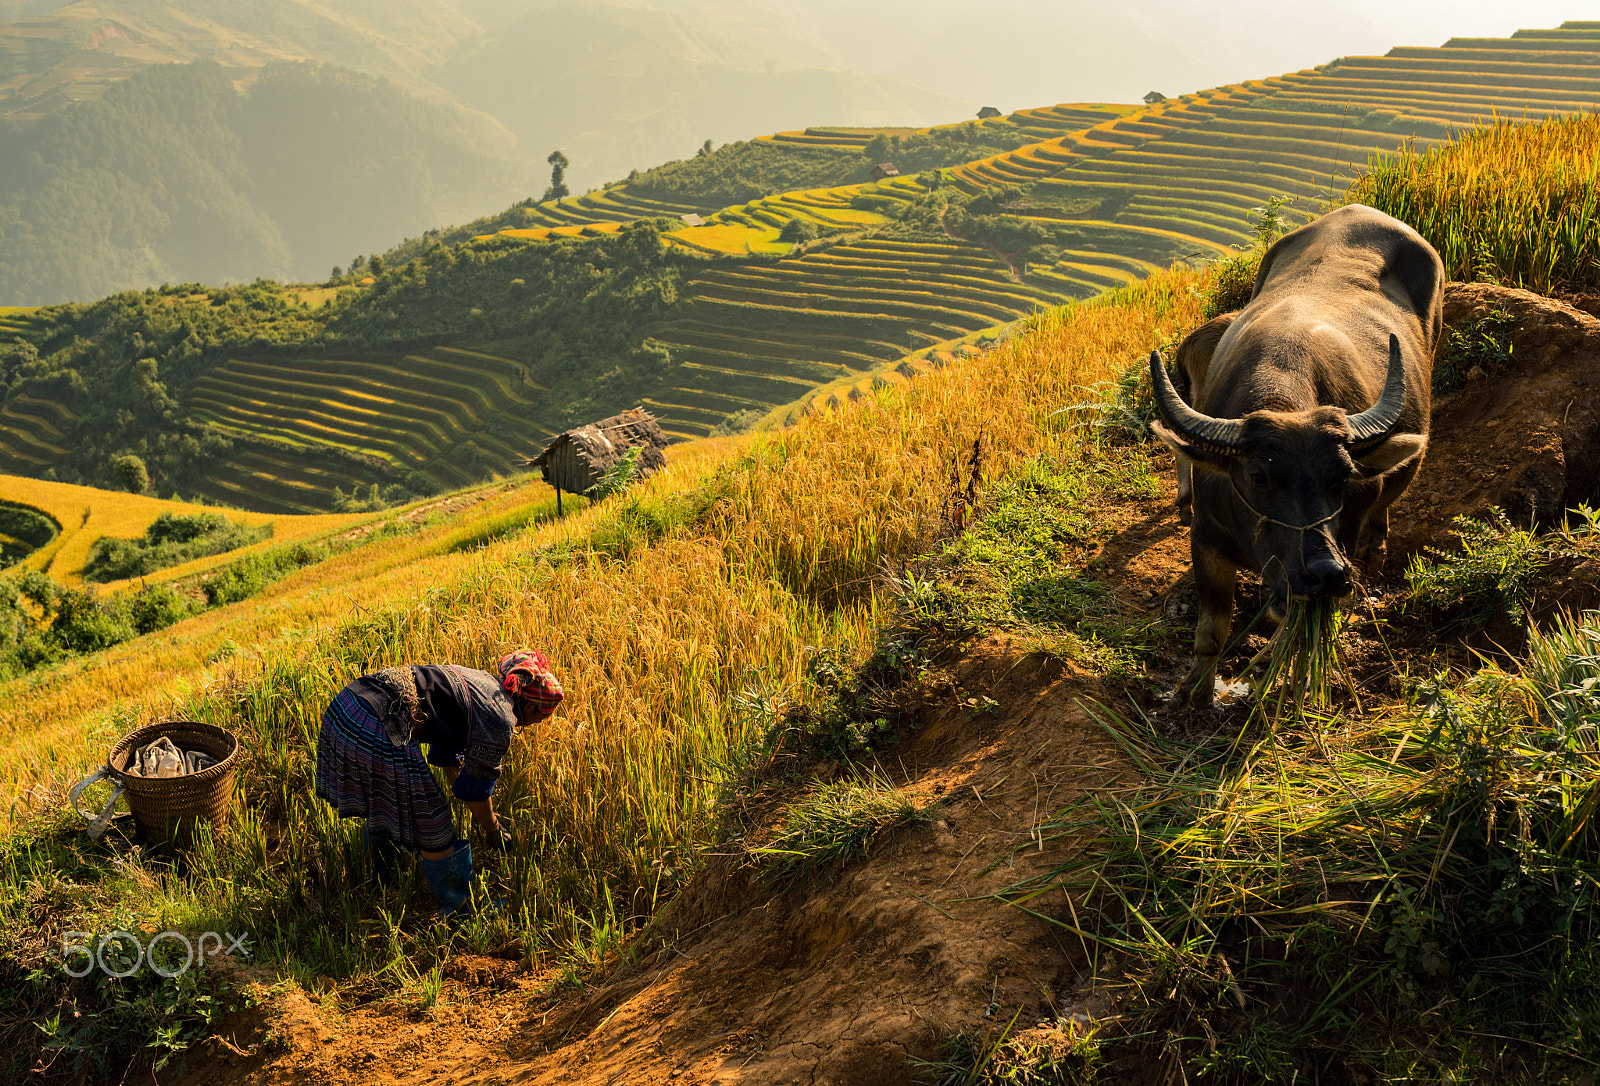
(526, 674)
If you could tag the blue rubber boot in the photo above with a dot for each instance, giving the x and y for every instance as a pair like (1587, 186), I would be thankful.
(450, 879)
(383, 852)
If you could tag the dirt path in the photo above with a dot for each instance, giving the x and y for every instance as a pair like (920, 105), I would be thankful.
(1011, 268)
(836, 980)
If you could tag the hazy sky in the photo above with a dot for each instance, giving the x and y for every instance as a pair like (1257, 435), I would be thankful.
(1018, 53)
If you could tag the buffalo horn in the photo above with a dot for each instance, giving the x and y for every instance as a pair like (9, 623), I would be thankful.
(1221, 436)
(1370, 427)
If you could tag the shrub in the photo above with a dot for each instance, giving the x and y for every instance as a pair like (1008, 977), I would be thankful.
(155, 607)
(798, 231)
(1483, 344)
(84, 622)
(1491, 572)
(131, 473)
(739, 422)
(171, 539)
(237, 581)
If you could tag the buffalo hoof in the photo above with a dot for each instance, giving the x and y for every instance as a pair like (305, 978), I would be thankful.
(1198, 687)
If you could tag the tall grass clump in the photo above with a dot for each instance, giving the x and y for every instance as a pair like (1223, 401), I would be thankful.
(1378, 897)
(1517, 203)
(840, 820)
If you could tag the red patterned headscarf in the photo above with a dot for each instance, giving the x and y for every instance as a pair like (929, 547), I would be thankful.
(526, 674)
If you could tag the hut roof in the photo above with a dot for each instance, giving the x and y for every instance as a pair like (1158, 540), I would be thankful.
(885, 169)
(692, 219)
(986, 112)
(579, 458)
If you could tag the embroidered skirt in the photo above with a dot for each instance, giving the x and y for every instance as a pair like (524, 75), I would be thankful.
(364, 775)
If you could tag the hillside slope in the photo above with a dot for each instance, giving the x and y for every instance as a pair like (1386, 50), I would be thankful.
(83, 515)
(176, 176)
(974, 923)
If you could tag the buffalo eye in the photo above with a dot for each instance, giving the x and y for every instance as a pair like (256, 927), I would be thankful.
(1258, 479)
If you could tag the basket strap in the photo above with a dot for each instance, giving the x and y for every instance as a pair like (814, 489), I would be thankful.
(97, 823)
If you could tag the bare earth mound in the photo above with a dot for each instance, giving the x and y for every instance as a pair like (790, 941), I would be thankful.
(1525, 437)
(840, 979)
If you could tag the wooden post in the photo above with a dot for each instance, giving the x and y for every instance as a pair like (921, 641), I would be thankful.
(558, 501)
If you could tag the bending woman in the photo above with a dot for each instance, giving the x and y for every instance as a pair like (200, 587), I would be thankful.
(370, 764)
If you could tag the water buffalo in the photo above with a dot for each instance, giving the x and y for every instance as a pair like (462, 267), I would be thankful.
(1306, 415)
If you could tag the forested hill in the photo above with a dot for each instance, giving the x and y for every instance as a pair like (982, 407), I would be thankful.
(176, 175)
(116, 173)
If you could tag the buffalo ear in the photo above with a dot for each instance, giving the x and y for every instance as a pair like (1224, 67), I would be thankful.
(1202, 457)
(1397, 450)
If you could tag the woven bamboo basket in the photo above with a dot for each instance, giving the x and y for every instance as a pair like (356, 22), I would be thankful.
(167, 809)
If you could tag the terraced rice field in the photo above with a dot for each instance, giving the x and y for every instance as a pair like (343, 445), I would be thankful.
(613, 204)
(760, 335)
(1193, 168)
(1125, 190)
(1137, 187)
(33, 433)
(450, 414)
(86, 514)
(14, 318)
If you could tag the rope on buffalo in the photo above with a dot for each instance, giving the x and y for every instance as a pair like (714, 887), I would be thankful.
(1320, 526)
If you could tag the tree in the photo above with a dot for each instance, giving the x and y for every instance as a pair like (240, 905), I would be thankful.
(558, 176)
(375, 266)
(797, 232)
(132, 473)
(705, 148)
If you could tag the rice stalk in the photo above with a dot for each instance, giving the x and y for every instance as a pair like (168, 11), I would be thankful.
(1303, 664)
(1507, 201)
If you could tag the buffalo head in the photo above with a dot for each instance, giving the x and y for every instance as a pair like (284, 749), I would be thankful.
(1283, 477)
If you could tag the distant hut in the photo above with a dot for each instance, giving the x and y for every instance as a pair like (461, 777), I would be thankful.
(692, 219)
(988, 111)
(578, 459)
(1154, 97)
(884, 169)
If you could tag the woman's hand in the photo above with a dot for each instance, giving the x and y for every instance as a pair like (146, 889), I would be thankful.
(496, 834)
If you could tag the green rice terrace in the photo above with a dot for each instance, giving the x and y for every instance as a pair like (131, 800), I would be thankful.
(449, 359)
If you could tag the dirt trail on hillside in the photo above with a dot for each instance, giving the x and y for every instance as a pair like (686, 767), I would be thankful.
(835, 980)
(838, 980)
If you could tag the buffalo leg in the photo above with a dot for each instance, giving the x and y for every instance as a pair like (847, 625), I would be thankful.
(1215, 578)
(1373, 545)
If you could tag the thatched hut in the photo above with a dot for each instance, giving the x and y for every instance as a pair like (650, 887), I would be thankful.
(578, 459)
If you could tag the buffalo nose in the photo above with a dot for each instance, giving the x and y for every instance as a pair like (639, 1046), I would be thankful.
(1326, 577)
